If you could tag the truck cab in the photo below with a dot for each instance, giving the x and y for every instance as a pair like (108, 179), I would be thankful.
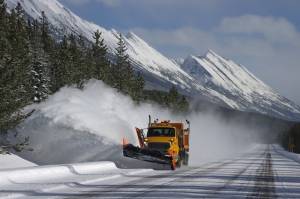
(170, 139)
(162, 139)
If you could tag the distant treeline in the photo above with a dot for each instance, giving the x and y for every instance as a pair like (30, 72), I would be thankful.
(291, 139)
(34, 65)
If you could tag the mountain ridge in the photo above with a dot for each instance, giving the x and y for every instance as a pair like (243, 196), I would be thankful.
(211, 76)
(235, 81)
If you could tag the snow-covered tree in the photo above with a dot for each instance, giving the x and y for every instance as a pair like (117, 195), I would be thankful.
(40, 79)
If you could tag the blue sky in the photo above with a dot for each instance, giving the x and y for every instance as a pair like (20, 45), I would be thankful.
(263, 35)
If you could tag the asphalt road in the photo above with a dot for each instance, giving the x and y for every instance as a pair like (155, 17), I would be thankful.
(261, 173)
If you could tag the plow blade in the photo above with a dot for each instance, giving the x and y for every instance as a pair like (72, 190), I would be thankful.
(146, 155)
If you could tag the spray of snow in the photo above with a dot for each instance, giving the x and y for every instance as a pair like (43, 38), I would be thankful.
(88, 125)
(213, 139)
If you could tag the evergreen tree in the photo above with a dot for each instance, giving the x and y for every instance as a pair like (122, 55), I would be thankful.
(73, 66)
(9, 115)
(4, 43)
(183, 105)
(3, 17)
(59, 73)
(137, 87)
(89, 64)
(39, 65)
(46, 44)
(101, 65)
(45, 36)
(83, 62)
(3, 9)
(176, 102)
(173, 96)
(19, 59)
(118, 67)
(122, 70)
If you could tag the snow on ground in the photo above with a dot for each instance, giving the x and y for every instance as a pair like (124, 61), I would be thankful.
(13, 161)
(54, 172)
(261, 172)
(50, 179)
(294, 156)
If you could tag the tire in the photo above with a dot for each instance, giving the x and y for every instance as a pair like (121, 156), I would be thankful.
(173, 166)
(178, 163)
(186, 159)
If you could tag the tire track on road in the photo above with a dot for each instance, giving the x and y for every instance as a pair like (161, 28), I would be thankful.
(107, 191)
(264, 186)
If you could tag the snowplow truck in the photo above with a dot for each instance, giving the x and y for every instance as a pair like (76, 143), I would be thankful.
(163, 142)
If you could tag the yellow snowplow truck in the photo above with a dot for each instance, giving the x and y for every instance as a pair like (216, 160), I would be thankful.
(162, 142)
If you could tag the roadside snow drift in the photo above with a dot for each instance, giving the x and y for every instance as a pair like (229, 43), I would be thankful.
(54, 172)
(13, 162)
(88, 125)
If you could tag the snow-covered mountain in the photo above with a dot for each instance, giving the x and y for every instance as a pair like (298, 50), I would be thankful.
(235, 82)
(144, 57)
(210, 77)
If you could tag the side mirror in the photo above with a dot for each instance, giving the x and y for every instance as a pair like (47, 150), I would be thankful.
(189, 124)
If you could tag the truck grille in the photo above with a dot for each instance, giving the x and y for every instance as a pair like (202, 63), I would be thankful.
(159, 146)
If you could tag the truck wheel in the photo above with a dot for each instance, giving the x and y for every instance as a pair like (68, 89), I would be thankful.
(173, 165)
(178, 163)
(186, 159)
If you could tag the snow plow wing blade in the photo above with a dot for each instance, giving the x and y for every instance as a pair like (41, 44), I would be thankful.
(145, 154)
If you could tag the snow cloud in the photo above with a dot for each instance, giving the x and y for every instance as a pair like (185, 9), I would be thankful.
(87, 125)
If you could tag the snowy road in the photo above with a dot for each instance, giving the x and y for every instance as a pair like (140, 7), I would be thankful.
(265, 172)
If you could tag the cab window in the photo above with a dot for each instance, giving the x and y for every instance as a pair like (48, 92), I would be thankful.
(161, 132)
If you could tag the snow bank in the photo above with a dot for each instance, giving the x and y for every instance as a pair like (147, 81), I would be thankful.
(88, 125)
(294, 156)
(54, 172)
(13, 162)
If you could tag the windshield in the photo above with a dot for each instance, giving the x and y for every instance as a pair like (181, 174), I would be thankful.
(161, 132)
